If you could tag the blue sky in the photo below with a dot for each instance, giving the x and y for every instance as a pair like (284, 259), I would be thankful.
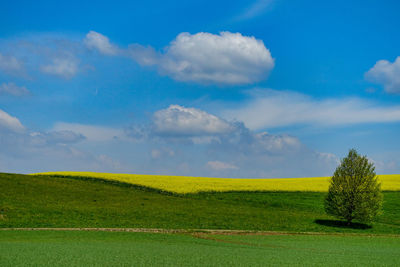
(265, 88)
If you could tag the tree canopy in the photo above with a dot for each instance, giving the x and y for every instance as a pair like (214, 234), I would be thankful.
(354, 192)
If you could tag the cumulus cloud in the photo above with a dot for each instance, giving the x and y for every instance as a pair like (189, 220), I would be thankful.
(243, 141)
(12, 129)
(387, 74)
(227, 147)
(180, 121)
(23, 150)
(221, 166)
(10, 123)
(275, 143)
(97, 41)
(62, 67)
(10, 64)
(12, 89)
(225, 59)
(144, 55)
(200, 127)
(270, 109)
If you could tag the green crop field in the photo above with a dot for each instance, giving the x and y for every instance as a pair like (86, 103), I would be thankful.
(80, 248)
(29, 201)
(45, 201)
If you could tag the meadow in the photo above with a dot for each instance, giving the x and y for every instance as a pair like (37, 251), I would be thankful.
(84, 248)
(187, 184)
(47, 201)
(281, 227)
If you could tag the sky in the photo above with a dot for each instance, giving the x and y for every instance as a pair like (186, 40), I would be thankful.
(263, 88)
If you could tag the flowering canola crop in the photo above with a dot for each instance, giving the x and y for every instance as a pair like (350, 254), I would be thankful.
(188, 184)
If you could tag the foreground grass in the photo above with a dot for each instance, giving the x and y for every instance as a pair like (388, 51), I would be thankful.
(186, 184)
(44, 201)
(57, 248)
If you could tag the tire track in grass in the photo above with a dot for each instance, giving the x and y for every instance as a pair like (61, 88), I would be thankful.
(206, 236)
(192, 231)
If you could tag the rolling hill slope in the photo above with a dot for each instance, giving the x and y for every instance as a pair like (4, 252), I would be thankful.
(188, 184)
(46, 201)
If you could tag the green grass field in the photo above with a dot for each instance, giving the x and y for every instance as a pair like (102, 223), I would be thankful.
(80, 248)
(45, 201)
(42, 201)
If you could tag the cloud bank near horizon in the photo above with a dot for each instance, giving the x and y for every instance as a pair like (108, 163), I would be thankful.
(168, 145)
(271, 109)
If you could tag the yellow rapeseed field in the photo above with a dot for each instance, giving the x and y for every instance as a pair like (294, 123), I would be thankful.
(187, 184)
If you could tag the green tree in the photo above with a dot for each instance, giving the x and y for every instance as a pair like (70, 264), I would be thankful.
(354, 191)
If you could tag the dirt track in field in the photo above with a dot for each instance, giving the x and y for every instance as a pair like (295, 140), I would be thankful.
(150, 230)
(194, 232)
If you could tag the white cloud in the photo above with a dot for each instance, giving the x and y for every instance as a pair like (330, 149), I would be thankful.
(109, 162)
(235, 151)
(180, 124)
(91, 132)
(328, 157)
(63, 67)
(387, 74)
(275, 143)
(227, 58)
(54, 54)
(270, 109)
(55, 137)
(10, 123)
(10, 64)
(155, 153)
(389, 166)
(144, 55)
(39, 152)
(221, 166)
(12, 89)
(230, 147)
(197, 137)
(256, 9)
(97, 41)
(27, 151)
(162, 152)
(180, 121)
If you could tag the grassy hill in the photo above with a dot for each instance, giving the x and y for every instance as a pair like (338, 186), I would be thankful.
(46, 201)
